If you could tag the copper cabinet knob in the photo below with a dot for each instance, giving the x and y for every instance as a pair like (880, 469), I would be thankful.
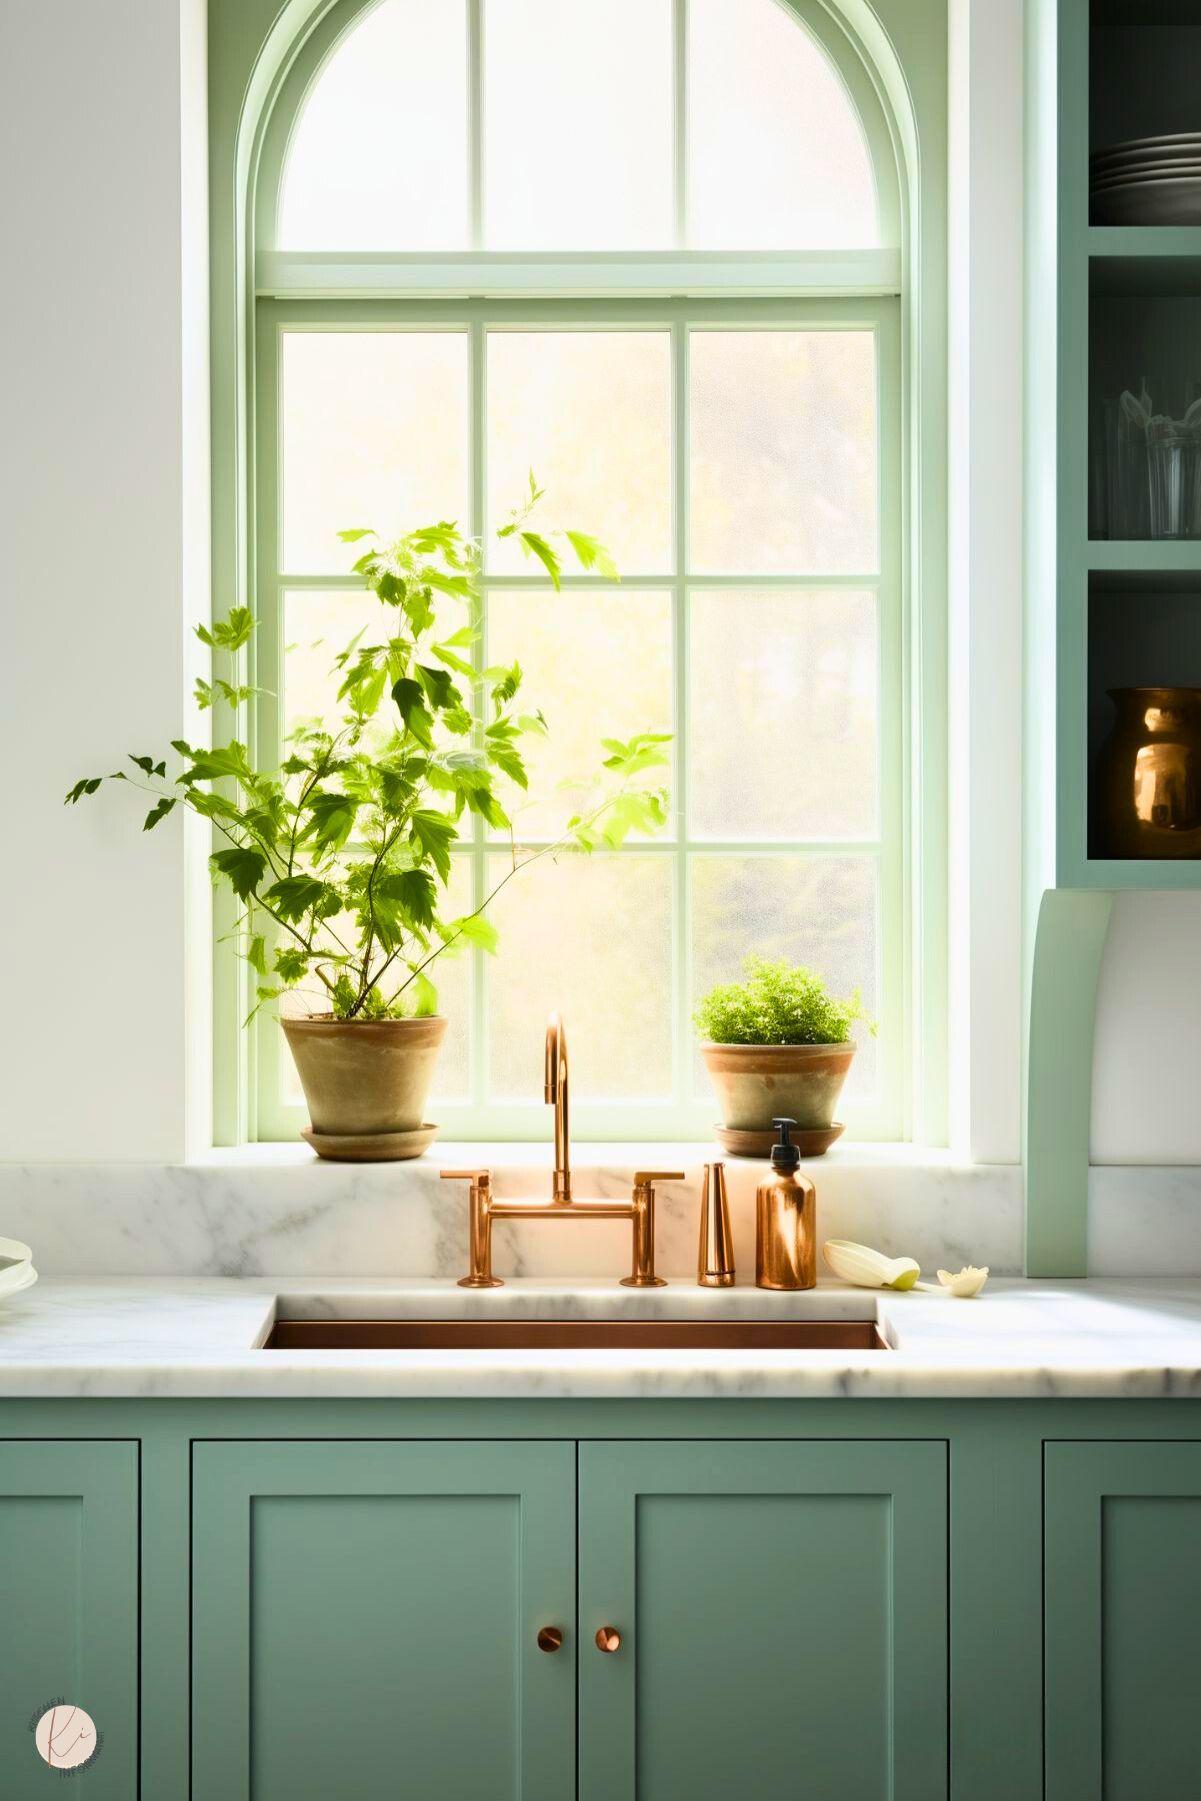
(549, 1638)
(608, 1639)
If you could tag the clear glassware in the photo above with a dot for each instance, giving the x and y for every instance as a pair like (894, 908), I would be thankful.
(1171, 464)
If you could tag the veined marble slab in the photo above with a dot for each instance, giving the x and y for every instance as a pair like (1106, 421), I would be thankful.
(276, 1210)
(153, 1338)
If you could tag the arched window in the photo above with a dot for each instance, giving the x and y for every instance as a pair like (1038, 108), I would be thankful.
(651, 251)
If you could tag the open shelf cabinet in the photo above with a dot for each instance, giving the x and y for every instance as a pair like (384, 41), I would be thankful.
(1112, 602)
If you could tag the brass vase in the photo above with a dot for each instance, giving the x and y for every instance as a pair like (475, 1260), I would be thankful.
(1150, 774)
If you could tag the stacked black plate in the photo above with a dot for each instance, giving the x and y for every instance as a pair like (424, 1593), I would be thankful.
(1149, 181)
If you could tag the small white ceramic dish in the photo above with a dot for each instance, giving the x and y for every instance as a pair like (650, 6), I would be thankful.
(16, 1267)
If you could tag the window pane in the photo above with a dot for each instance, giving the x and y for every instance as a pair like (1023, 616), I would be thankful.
(777, 157)
(783, 476)
(589, 412)
(374, 434)
(819, 911)
(590, 938)
(578, 125)
(316, 629)
(451, 975)
(783, 739)
(379, 157)
(599, 666)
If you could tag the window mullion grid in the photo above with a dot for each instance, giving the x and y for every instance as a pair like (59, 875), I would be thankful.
(682, 900)
(477, 344)
(475, 121)
(679, 36)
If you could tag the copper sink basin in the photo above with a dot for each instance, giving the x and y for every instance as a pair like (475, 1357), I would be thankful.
(575, 1335)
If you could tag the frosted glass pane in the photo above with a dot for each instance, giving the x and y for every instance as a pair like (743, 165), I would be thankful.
(374, 434)
(783, 741)
(578, 133)
(589, 937)
(599, 666)
(819, 911)
(783, 476)
(777, 157)
(590, 413)
(379, 156)
(451, 975)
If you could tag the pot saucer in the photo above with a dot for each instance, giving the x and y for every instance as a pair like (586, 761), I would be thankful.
(370, 1147)
(813, 1143)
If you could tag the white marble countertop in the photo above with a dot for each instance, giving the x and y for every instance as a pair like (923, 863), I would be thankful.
(155, 1337)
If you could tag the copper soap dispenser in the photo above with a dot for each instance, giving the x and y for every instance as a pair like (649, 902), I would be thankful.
(785, 1220)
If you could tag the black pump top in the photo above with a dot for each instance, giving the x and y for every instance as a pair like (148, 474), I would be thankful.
(784, 1156)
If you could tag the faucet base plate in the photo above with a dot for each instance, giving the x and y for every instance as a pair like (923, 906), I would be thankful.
(480, 1282)
(643, 1282)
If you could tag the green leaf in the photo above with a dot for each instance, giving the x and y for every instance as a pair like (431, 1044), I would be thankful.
(510, 762)
(410, 701)
(204, 694)
(291, 964)
(459, 664)
(425, 996)
(294, 896)
(353, 536)
(438, 685)
(475, 929)
(431, 835)
(485, 803)
(331, 819)
(219, 764)
(534, 723)
(88, 785)
(413, 891)
(232, 632)
(535, 543)
(158, 811)
(592, 554)
(505, 683)
(256, 953)
(241, 866)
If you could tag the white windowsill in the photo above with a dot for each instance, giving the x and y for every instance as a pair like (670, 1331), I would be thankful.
(616, 1157)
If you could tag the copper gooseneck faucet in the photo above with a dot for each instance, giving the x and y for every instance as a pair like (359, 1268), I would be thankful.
(483, 1210)
(555, 1090)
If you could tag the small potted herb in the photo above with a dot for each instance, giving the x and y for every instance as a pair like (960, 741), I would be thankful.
(340, 857)
(776, 1045)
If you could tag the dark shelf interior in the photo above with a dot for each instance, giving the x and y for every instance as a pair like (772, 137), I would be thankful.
(1143, 72)
(1144, 327)
(1143, 632)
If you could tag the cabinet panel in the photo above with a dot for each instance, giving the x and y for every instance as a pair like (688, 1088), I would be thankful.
(783, 1612)
(68, 1612)
(365, 1618)
(1123, 1597)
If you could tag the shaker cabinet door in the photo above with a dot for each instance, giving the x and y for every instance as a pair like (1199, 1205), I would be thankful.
(1122, 1588)
(68, 1618)
(366, 1617)
(782, 1615)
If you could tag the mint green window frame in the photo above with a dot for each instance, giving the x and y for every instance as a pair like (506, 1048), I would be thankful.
(262, 64)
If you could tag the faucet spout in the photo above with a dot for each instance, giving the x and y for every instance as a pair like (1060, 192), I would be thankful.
(555, 1089)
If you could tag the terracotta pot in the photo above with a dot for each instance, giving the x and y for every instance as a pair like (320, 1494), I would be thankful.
(756, 1083)
(365, 1075)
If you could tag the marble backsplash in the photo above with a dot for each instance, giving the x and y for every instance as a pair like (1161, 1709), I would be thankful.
(274, 1210)
(277, 1211)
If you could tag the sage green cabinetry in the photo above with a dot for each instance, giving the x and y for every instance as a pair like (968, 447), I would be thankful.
(68, 1608)
(365, 1620)
(1123, 1606)
(783, 1611)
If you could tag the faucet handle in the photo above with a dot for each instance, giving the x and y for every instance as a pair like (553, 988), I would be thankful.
(644, 1177)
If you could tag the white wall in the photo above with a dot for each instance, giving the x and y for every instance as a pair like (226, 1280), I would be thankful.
(985, 564)
(1147, 1063)
(103, 506)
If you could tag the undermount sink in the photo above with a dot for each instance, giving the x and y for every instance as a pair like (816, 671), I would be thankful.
(575, 1335)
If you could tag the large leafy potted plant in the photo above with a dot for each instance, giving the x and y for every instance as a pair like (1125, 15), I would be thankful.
(776, 1045)
(341, 856)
